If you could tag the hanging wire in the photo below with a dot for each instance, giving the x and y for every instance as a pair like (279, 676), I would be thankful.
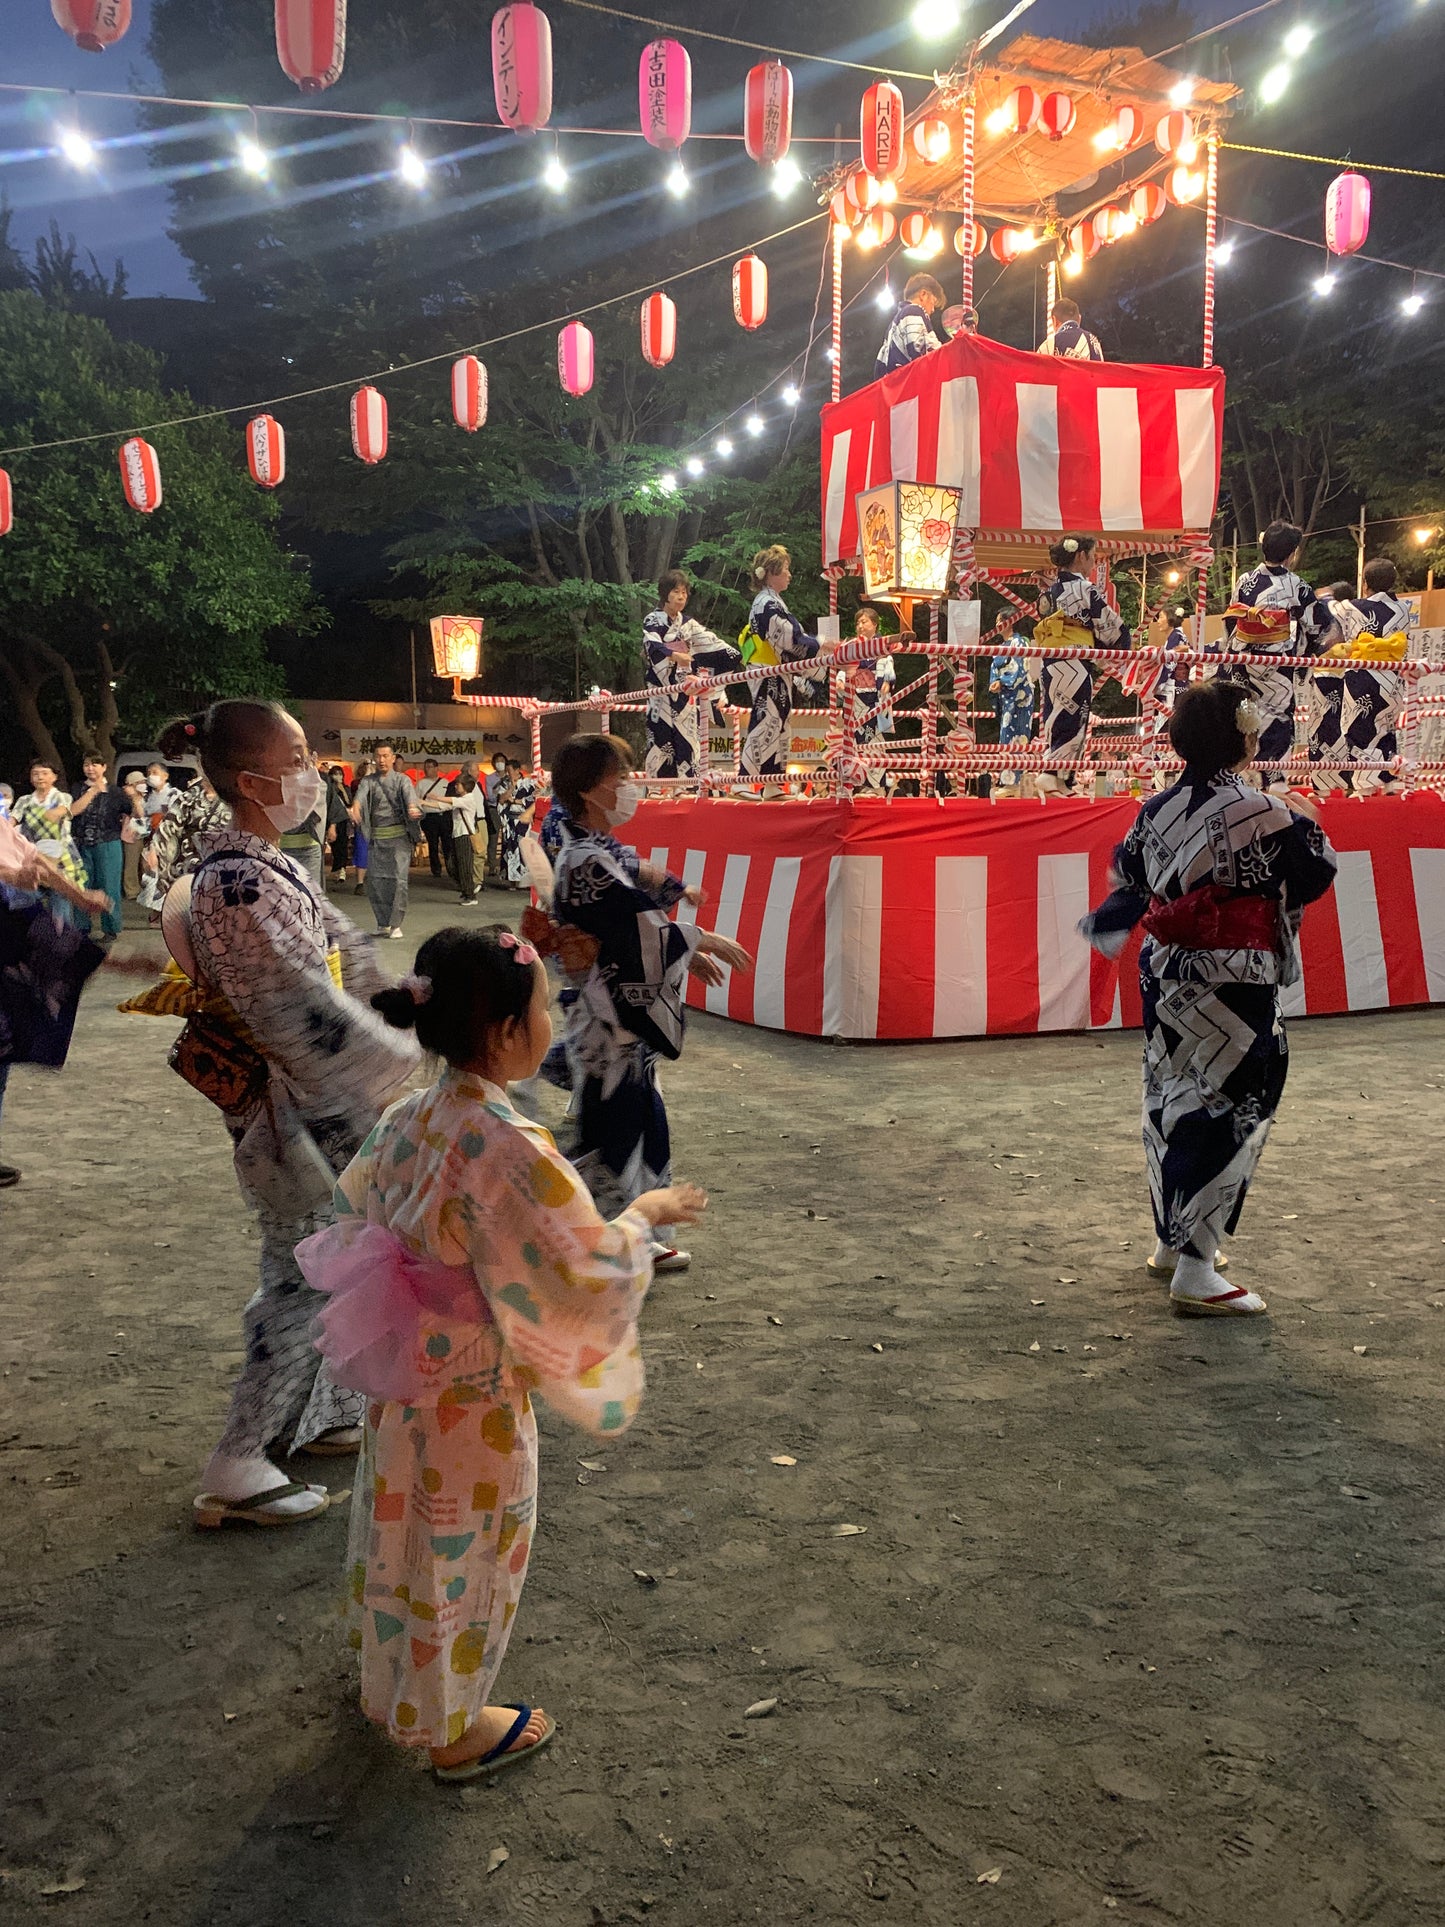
(751, 46)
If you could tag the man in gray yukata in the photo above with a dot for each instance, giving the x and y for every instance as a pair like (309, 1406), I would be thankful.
(386, 807)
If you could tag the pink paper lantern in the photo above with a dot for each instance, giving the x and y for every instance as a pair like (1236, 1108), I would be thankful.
(575, 358)
(882, 130)
(368, 425)
(750, 292)
(659, 330)
(7, 506)
(1057, 115)
(1347, 213)
(1174, 132)
(522, 66)
(768, 112)
(664, 94)
(266, 451)
(93, 25)
(140, 475)
(469, 393)
(311, 42)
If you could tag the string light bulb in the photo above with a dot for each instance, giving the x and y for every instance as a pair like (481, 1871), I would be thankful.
(76, 147)
(410, 167)
(1425, 536)
(1072, 265)
(554, 174)
(1224, 254)
(1324, 284)
(1275, 84)
(1182, 92)
(997, 121)
(1413, 303)
(791, 396)
(755, 426)
(1297, 39)
(933, 19)
(667, 483)
(723, 447)
(253, 157)
(885, 298)
(787, 175)
(677, 181)
(695, 466)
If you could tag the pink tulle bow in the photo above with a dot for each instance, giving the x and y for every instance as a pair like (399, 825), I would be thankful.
(380, 1292)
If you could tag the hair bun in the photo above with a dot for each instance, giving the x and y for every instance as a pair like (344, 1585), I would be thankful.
(397, 1005)
(1069, 545)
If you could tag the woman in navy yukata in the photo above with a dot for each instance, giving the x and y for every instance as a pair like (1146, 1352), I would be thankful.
(1072, 614)
(673, 649)
(1272, 614)
(1012, 689)
(773, 635)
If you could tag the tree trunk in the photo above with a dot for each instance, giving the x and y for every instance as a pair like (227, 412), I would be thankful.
(108, 727)
(81, 728)
(25, 685)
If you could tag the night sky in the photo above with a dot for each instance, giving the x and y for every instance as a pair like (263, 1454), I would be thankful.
(120, 212)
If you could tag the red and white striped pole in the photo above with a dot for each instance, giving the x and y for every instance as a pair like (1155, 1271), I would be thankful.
(840, 235)
(969, 116)
(1211, 236)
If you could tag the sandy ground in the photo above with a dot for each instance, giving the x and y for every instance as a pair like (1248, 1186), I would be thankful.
(1144, 1622)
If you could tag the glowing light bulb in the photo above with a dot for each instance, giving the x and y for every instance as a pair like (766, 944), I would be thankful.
(885, 297)
(79, 151)
(755, 425)
(677, 181)
(668, 484)
(830, 354)
(786, 176)
(1107, 140)
(1324, 284)
(1182, 92)
(1412, 304)
(554, 175)
(724, 447)
(1127, 223)
(791, 396)
(1171, 576)
(1224, 253)
(1073, 264)
(1028, 240)
(1274, 85)
(253, 157)
(997, 121)
(410, 167)
(887, 193)
(694, 465)
(932, 19)
(1297, 39)
(1424, 536)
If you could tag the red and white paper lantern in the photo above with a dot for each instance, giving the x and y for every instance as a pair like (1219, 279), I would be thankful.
(1084, 239)
(1347, 213)
(266, 451)
(750, 292)
(843, 211)
(862, 190)
(877, 229)
(970, 238)
(931, 141)
(1184, 186)
(368, 425)
(659, 330)
(140, 475)
(311, 42)
(768, 112)
(1128, 129)
(1147, 203)
(93, 25)
(1021, 111)
(7, 506)
(469, 393)
(882, 130)
(576, 358)
(664, 93)
(1007, 244)
(1057, 115)
(522, 66)
(913, 230)
(1174, 132)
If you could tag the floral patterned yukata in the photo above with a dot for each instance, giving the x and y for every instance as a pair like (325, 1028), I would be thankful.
(445, 1504)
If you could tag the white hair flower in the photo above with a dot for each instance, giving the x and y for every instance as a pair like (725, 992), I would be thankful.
(1070, 546)
(1247, 719)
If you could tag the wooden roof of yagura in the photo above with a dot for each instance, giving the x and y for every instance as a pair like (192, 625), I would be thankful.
(1023, 174)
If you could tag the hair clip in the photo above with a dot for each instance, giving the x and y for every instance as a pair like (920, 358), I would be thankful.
(1247, 719)
(190, 729)
(417, 988)
(525, 952)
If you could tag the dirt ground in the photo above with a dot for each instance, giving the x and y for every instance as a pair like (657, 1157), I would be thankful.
(1143, 1623)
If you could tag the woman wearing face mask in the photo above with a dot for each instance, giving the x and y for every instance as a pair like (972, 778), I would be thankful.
(629, 1010)
(261, 938)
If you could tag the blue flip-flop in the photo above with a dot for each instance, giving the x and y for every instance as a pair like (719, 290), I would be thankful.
(499, 1759)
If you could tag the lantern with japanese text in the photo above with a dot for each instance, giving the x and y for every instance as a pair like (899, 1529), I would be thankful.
(469, 393)
(768, 112)
(931, 141)
(906, 531)
(882, 130)
(861, 190)
(93, 25)
(1020, 112)
(877, 229)
(1184, 185)
(1057, 115)
(664, 93)
(140, 475)
(368, 424)
(750, 292)
(1347, 213)
(970, 237)
(1126, 130)
(522, 66)
(1147, 203)
(456, 647)
(576, 358)
(7, 516)
(266, 451)
(659, 330)
(311, 42)
(1173, 133)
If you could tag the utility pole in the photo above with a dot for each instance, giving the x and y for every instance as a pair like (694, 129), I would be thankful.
(1360, 554)
(415, 707)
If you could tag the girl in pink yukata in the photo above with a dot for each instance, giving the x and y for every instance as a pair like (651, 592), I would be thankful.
(469, 1270)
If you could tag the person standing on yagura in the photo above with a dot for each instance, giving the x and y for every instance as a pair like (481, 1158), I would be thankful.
(773, 635)
(386, 807)
(468, 1272)
(674, 648)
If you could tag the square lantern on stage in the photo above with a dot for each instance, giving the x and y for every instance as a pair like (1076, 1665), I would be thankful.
(456, 646)
(906, 529)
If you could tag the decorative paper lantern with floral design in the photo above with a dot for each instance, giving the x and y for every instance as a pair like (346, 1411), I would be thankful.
(522, 66)
(576, 358)
(882, 130)
(1147, 203)
(1057, 115)
(750, 292)
(266, 451)
(469, 393)
(311, 42)
(93, 25)
(664, 93)
(906, 532)
(140, 475)
(659, 330)
(768, 112)
(368, 425)
(1347, 213)
(7, 506)
(456, 647)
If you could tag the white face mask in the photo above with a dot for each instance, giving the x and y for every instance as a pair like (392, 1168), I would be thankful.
(158, 781)
(628, 798)
(301, 793)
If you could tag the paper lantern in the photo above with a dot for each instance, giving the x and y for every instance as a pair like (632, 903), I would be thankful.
(368, 424)
(1108, 225)
(469, 393)
(659, 330)
(913, 230)
(1173, 132)
(7, 518)
(750, 292)
(311, 42)
(1147, 203)
(93, 25)
(882, 130)
(522, 66)
(1084, 239)
(664, 93)
(906, 533)
(1007, 244)
(970, 238)
(1185, 184)
(931, 141)
(768, 112)
(456, 647)
(877, 229)
(576, 358)
(1347, 213)
(1057, 115)
(1127, 129)
(266, 451)
(861, 190)
(140, 475)
(843, 211)
(1021, 111)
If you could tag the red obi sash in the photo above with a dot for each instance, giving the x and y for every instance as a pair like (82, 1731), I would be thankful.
(1212, 918)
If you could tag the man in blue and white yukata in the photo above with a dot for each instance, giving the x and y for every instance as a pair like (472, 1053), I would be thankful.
(1070, 340)
(1355, 710)
(1269, 616)
(911, 333)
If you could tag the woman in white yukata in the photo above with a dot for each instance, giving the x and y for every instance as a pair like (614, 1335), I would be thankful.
(468, 1272)
(1072, 614)
(261, 939)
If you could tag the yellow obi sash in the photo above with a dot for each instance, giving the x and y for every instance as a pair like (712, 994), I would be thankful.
(1258, 627)
(1057, 632)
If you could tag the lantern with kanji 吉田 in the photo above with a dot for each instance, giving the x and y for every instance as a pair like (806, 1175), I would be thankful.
(575, 358)
(1347, 213)
(469, 393)
(368, 424)
(750, 292)
(664, 93)
(266, 451)
(456, 647)
(906, 533)
(659, 330)
(93, 25)
(768, 112)
(311, 42)
(882, 130)
(522, 66)
(140, 475)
